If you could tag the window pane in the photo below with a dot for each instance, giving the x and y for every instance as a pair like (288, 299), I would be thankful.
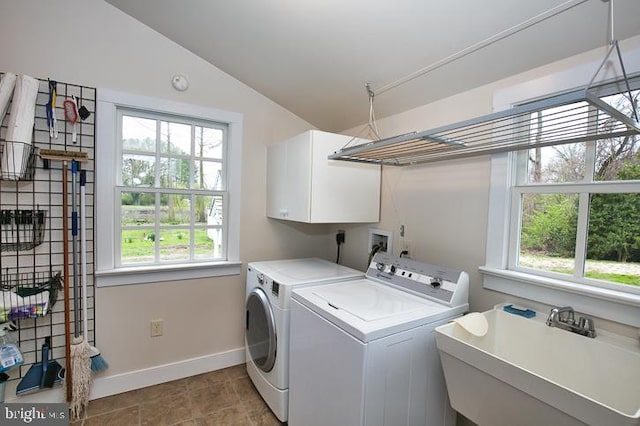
(174, 244)
(208, 142)
(137, 246)
(560, 123)
(208, 243)
(175, 209)
(208, 175)
(216, 211)
(613, 242)
(618, 159)
(137, 208)
(138, 170)
(138, 134)
(621, 101)
(555, 164)
(205, 205)
(175, 173)
(548, 232)
(175, 138)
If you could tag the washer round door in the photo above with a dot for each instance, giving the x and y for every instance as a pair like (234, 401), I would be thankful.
(261, 330)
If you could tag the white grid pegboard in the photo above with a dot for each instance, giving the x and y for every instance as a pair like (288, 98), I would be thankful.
(45, 192)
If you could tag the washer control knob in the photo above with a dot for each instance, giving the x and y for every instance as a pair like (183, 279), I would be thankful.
(260, 279)
(380, 266)
(436, 282)
(392, 269)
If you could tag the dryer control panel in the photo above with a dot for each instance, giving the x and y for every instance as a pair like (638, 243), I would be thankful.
(444, 285)
(258, 279)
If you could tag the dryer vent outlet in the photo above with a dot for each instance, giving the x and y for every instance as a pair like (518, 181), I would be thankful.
(381, 240)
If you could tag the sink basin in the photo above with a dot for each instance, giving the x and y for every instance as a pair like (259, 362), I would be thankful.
(526, 373)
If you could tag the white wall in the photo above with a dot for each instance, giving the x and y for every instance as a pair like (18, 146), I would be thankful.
(444, 205)
(89, 42)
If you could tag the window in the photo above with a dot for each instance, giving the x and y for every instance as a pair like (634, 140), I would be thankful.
(576, 209)
(171, 188)
(168, 179)
(564, 223)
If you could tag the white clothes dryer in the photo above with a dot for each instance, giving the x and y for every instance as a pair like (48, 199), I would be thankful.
(363, 352)
(267, 314)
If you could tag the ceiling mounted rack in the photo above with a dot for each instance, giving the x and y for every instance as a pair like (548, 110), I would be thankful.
(576, 116)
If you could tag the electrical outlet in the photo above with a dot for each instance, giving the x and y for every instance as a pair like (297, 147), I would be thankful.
(406, 247)
(156, 327)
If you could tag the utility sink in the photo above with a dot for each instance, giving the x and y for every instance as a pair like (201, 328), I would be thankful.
(523, 372)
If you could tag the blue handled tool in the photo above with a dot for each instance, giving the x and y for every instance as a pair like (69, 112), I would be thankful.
(50, 109)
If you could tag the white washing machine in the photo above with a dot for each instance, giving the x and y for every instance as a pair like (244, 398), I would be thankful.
(363, 352)
(269, 286)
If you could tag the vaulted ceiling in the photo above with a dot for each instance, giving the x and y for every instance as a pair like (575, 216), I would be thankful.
(314, 57)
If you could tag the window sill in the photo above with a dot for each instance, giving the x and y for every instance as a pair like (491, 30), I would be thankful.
(152, 274)
(600, 302)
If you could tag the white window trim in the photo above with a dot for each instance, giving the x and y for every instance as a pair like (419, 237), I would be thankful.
(601, 302)
(106, 168)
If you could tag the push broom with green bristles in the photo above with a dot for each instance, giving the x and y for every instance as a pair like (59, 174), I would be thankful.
(98, 363)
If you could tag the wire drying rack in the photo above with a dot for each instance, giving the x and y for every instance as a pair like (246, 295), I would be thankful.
(577, 116)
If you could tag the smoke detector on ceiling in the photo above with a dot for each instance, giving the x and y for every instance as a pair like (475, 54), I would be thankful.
(180, 82)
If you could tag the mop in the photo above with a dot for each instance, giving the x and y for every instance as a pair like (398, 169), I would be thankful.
(80, 349)
(98, 363)
(20, 128)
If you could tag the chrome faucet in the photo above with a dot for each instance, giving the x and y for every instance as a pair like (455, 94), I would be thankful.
(564, 318)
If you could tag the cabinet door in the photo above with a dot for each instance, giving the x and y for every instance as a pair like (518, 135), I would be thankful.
(305, 186)
(298, 179)
(342, 192)
(277, 181)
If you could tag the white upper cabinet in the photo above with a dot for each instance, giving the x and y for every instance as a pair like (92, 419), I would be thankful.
(304, 186)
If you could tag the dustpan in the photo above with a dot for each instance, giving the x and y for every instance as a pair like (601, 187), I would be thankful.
(41, 374)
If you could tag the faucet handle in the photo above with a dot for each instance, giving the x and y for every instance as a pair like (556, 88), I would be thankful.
(586, 324)
(566, 315)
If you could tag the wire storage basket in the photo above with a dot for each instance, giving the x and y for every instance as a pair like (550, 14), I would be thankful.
(27, 294)
(21, 229)
(17, 160)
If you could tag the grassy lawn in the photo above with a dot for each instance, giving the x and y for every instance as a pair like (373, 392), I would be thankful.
(617, 272)
(616, 278)
(138, 245)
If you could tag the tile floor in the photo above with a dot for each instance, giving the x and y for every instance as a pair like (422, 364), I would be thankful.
(223, 397)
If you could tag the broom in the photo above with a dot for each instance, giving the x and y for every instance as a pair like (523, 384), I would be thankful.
(98, 363)
(65, 156)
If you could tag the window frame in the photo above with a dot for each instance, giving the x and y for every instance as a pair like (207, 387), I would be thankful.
(604, 301)
(108, 271)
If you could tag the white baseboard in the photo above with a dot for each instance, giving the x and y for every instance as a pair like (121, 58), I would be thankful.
(124, 382)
